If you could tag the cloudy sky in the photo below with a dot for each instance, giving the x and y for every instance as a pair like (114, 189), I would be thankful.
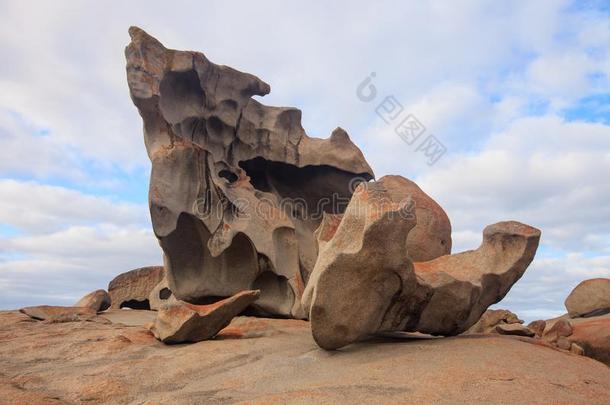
(517, 92)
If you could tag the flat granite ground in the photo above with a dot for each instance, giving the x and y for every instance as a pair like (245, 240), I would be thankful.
(116, 360)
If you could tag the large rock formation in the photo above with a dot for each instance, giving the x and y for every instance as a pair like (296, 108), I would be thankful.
(241, 198)
(237, 188)
(365, 282)
(589, 298)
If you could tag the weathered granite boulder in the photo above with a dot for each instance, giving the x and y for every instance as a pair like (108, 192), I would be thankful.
(237, 188)
(347, 256)
(183, 322)
(59, 313)
(132, 289)
(98, 300)
(589, 298)
(492, 318)
(365, 282)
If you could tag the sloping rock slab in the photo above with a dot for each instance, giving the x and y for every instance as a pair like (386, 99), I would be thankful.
(59, 313)
(184, 322)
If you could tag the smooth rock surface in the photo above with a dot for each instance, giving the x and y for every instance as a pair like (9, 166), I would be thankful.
(589, 298)
(183, 322)
(237, 188)
(132, 288)
(262, 361)
(130, 317)
(98, 300)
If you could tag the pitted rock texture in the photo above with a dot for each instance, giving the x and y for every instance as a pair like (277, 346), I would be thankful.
(183, 322)
(98, 300)
(237, 188)
(365, 282)
(161, 295)
(589, 298)
(132, 289)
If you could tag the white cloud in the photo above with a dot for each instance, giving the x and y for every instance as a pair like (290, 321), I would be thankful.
(39, 208)
(60, 267)
(541, 293)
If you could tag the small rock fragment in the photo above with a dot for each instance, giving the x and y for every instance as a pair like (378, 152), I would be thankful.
(561, 328)
(492, 318)
(515, 329)
(98, 300)
(185, 322)
(537, 327)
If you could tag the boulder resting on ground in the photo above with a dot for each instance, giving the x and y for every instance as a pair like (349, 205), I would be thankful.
(183, 322)
(98, 300)
(364, 281)
(589, 298)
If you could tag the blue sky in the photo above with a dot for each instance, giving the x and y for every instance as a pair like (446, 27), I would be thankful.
(518, 93)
